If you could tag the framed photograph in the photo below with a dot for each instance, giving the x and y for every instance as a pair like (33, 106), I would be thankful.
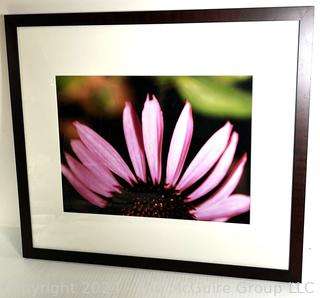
(172, 140)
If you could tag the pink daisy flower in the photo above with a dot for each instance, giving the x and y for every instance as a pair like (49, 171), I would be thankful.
(203, 191)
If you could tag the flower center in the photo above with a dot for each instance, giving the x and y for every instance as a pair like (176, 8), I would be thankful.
(150, 201)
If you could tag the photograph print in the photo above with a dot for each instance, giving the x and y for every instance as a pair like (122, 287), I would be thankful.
(174, 147)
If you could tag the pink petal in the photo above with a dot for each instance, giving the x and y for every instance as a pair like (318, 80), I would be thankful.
(152, 128)
(99, 146)
(133, 136)
(219, 172)
(82, 190)
(222, 219)
(206, 157)
(95, 164)
(179, 145)
(87, 178)
(228, 187)
(230, 207)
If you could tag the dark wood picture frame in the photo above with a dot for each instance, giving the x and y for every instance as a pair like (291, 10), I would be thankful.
(302, 14)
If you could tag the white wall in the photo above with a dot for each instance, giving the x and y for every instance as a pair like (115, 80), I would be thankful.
(8, 193)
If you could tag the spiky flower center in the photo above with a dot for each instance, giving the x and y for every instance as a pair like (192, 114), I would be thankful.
(150, 201)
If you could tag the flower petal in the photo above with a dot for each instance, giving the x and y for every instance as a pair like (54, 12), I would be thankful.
(179, 146)
(222, 219)
(219, 172)
(82, 190)
(206, 157)
(133, 136)
(228, 187)
(87, 178)
(99, 146)
(94, 164)
(152, 129)
(230, 207)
